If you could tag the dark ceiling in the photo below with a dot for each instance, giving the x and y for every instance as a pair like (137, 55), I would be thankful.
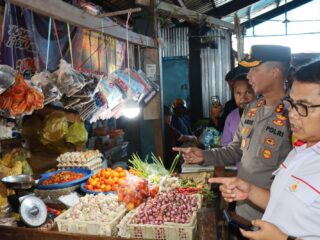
(249, 12)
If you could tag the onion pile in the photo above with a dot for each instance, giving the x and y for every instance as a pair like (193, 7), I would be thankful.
(166, 207)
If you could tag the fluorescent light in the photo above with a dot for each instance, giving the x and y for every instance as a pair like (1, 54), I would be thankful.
(130, 108)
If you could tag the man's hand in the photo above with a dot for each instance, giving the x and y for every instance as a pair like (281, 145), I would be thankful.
(191, 155)
(266, 231)
(232, 189)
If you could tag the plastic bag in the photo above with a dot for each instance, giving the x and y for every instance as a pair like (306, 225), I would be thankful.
(46, 81)
(69, 81)
(132, 191)
(77, 134)
(55, 128)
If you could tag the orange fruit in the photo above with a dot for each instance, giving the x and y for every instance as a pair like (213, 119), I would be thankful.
(107, 188)
(130, 206)
(119, 169)
(114, 187)
(122, 174)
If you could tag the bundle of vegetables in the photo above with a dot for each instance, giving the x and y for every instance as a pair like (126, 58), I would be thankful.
(21, 98)
(167, 207)
(133, 190)
(106, 180)
(189, 186)
(153, 171)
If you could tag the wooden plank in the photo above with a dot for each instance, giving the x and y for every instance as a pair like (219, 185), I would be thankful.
(205, 216)
(172, 10)
(122, 12)
(67, 13)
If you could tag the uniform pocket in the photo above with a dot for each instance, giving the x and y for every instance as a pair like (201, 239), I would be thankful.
(269, 150)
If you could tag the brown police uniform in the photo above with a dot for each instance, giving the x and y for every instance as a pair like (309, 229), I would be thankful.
(262, 142)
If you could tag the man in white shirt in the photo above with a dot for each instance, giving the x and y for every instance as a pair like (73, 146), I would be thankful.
(293, 202)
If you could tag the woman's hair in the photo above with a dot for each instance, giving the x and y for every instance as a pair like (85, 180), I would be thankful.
(309, 73)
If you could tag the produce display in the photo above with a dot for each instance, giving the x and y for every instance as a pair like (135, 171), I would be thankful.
(89, 160)
(106, 180)
(99, 208)
(167, 207)
(63, 177)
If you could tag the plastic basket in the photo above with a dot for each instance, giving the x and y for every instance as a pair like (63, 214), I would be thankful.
(88, 227)
(166, 231)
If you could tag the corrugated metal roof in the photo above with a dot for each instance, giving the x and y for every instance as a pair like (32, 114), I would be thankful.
(221, 7)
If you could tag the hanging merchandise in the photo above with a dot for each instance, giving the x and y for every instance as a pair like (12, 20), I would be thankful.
(150, 86)
(7, 77)
(69, 81)
(108, 98)
(46, 81)
(21, 98)
(77, 134)
(55, 128)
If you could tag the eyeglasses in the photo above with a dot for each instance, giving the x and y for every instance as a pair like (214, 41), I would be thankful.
(301, 109)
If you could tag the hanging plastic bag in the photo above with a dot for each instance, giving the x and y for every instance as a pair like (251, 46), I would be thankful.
(69, 81)
(77, 134)
(55, 128)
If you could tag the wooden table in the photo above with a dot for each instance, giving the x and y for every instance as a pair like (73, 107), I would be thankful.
(205, 224)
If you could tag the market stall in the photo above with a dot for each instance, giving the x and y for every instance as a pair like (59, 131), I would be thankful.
(145, 202)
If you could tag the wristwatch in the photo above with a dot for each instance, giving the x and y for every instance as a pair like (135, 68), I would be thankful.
(291, 238)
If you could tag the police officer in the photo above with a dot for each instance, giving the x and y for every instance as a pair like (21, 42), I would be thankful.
(262, 140)
(293, 202)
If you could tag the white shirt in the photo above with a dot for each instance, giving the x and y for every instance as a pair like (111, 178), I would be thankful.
(294, 204)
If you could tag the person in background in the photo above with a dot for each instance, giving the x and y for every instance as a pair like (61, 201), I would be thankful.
(219, 114)
(292, 205)
(180, 119)
(173, 138)
(243, 94)
(262, 140)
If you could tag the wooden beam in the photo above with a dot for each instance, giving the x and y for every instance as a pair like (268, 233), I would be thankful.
(174, 11)
(67, 13)
(122, 12)
(181, 3)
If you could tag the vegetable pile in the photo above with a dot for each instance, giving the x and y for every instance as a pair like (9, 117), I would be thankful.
(167, 207)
